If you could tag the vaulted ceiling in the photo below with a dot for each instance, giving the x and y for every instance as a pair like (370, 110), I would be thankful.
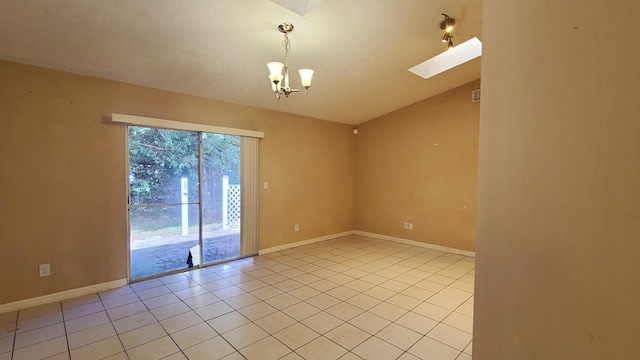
(360, 49)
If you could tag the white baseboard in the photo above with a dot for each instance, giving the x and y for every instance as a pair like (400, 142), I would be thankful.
(304, 242)
(371, 235)
(63, 295)
(416, 243)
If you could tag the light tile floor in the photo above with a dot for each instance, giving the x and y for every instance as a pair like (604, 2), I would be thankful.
(347, 298)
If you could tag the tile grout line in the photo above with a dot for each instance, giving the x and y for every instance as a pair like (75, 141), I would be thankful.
(15, 334)
(296, 320)
(64, 326)
(407, 311)
(196, 313)
(111, 322)
(158, 321)
(382, 301)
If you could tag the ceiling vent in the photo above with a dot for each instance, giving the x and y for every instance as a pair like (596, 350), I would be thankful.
(475, 95)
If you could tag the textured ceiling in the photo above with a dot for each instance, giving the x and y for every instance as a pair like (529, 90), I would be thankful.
(360, 49)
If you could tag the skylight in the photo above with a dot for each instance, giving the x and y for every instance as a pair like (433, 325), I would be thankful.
(301, 7)
(449, 59)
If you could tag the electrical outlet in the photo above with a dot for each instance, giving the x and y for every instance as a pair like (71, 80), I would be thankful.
(410, 226)
(406, 226)
(45, 270)
(266, 184)
(296, 227)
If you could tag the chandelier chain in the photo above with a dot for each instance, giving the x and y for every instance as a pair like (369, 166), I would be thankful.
(286, 44)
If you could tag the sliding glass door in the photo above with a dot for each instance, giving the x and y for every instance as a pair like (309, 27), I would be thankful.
(184, 199)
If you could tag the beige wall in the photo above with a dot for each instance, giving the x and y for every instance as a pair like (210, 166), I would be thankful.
(559, 182)
(62, 174)
(419, 165)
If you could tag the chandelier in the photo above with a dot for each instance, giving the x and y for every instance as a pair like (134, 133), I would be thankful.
(279, 72)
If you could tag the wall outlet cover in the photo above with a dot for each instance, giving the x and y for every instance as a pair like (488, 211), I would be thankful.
(45, 270)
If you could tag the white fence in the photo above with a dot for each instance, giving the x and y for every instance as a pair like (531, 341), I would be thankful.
(230, 205)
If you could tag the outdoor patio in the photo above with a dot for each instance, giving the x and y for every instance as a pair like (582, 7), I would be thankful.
(172, 255)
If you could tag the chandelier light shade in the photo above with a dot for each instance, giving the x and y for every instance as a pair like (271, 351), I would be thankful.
(275, 71)
(305, 77)
(279, 72)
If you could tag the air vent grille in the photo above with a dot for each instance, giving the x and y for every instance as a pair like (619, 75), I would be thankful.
(475, 95)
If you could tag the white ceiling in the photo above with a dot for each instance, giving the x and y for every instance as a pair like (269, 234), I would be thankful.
(360, 49)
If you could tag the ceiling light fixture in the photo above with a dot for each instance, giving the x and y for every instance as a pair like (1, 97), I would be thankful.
(279, 72)
(447, 25)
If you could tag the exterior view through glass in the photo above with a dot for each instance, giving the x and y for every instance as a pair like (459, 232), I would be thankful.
(179, 215)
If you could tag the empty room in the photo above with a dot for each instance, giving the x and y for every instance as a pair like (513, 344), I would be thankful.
(319, 179)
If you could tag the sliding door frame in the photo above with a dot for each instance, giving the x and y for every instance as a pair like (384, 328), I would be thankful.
(249, 218)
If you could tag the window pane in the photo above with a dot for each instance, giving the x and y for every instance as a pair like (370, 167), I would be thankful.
(159, 242)
(220, 196)
(159, 160)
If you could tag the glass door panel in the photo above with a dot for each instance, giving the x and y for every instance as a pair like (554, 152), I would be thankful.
(158, 240)
(164, 216)
(220, 197)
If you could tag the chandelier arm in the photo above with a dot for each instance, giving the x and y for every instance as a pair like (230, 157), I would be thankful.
(287, 92)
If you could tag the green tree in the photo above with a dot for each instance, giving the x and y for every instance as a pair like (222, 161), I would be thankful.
(221, 153)
(159, 158)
